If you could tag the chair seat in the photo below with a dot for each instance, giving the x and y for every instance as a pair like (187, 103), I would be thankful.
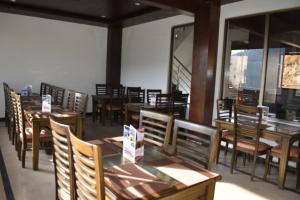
(45, 134)
(228, 136)
(113, 107)
(249, 145)
(135, 117)
(294, 151)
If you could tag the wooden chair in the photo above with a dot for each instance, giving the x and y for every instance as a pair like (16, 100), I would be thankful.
(71, 100)
(89, 176)
(80, 103)
(136, 96)
(164, 103)
(152, 93)
(15, 122)
(194, 142)
(6, 90)
(179, 105)
(63, 161)
(57, 95)
(131, 89)
(25, 132)
(157, 129)
(101, 89)
(247, 132)
(43, 88)
(294, 156)
(224, 110)
(10, 116)
(115, 105)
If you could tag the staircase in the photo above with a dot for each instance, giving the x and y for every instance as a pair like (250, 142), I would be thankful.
(181, 76)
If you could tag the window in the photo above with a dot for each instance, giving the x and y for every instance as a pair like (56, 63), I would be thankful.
(273, 81)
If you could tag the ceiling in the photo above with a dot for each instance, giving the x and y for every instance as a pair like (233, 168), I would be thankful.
(97, 12)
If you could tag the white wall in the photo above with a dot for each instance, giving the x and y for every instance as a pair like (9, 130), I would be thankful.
(244, 8)
(69, 55)
(146, 53)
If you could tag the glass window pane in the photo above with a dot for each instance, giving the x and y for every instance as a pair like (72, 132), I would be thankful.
(282, 86)
(244, 59)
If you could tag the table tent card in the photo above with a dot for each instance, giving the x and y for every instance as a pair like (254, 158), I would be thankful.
(133, 143)
(46, 103)
(27, 90)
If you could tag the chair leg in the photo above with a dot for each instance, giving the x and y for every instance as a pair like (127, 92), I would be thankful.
(218, 153)
(267, 165)
(23, 155)
(226, 148)
(253, 166)
(298, 175)
(233, 160)
(244, 159)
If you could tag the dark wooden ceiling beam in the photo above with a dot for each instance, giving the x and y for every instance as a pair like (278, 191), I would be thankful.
(139, 18)
(51, 14)
(183, 6)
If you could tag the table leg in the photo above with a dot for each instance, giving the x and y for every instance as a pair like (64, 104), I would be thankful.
(217, 145)
(103, 112)
(35, 145)
(210, 191)
(126, 114)
(80, 122)
(94, 110)
(285, 151)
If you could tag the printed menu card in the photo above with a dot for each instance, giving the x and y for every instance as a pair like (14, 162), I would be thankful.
(133, 143)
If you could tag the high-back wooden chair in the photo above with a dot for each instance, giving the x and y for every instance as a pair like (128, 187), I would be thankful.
(194, 142)
(88, 167)
(164, 103)
(14, 111)
(43, 88)
(10, 115)
(71, 100)
(25, 132)
(247, 133)
(136, 96)
(179, 105)
(80, 103)
(131, 89)
(57, 95)
(63, 161)
(101, 89)
(6, 90)
(152, 93)
(224, 110)
(157, 128)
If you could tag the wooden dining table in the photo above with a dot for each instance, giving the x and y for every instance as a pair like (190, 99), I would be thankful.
(272, 129)
(38, 119)
(136, 108)
(155, 176)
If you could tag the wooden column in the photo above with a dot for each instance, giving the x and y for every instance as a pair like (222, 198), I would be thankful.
(114, 51)
(204, 63)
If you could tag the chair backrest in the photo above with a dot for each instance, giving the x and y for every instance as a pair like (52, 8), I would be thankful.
(179, 105)
(21, 118)
(80, 103)
(57, 95)
(116, 90)
(15, 111)
(152, 93)
(247, 122)
(157, 128)
(71, 100)
(101, 89)
(6, 90)
(63, 161)
(88, 166)
(130, 89)
(224, 108)
(194, 142)
(43, 88)
(164, 103)
(136, 96)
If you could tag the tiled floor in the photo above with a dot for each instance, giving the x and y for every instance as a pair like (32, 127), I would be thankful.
(28, 184)
(2, 192)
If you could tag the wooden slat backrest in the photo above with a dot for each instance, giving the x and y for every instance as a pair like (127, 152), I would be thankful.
(164, 103)
(136, 96)
(43, 89)
(6, 90)
(194, 142)
(247, 123)
(179, 106)
(151, 93)
(57, 95)
(101, 89)
(224, 108)
(63, 161)
(131, 89)
(15, 111)
(21, 118)
(80, 103)
(157, 128)
(116, 90)
(71, 100)
(88, 167)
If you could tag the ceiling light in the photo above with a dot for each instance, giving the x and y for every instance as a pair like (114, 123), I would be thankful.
(13, 0)
(103, 16)
(137, 3)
